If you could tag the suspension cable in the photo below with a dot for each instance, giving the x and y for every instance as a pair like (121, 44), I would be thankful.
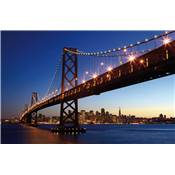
(106, 52)
(53, 79)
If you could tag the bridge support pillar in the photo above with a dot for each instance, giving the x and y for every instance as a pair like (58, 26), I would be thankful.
(32, 119)
(69, 109)
(29, 119)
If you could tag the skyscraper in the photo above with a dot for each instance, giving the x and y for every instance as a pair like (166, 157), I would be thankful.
(119, 113)
(102, 112)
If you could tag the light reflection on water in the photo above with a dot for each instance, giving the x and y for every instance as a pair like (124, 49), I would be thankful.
(95, 134)
(32, 135)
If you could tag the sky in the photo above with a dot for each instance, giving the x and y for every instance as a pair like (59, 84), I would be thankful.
(28, 62)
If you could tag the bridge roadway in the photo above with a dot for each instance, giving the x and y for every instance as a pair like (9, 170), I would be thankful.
(155, 64)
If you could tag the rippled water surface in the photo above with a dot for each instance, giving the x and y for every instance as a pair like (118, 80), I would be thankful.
(109, 133)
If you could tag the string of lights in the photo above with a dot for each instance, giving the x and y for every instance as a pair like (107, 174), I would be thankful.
(124, 49)
(125, 54)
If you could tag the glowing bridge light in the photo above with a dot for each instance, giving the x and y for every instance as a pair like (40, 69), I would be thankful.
(124, 50)
(109, 68)
(131, 58)
(102, 64)
(141, 61)
(86, 72)
(166, 40)
(83, 81)
(94, 76)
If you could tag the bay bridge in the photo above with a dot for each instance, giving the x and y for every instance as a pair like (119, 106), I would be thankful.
(112, 69)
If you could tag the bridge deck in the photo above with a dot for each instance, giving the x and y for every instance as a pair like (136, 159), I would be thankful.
(155, 64)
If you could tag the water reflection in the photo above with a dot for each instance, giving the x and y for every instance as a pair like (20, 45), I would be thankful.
(31, 135)
(106, 134)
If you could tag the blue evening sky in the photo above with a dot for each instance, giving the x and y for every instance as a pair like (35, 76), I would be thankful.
(28, 64)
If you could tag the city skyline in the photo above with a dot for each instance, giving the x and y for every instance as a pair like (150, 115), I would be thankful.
(33, 57)
(102, 116)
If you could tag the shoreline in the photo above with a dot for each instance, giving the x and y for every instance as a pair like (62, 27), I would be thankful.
(99, 123)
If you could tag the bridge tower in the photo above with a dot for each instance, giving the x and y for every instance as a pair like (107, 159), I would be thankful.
(69, 109)
(34, 98)
(33, 116)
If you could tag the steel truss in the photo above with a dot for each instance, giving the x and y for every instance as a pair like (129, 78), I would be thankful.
(69, 109)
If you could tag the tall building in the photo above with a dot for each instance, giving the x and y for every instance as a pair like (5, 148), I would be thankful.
(102, 112)
(161, 116)
(82, 112)
(91, 113)
(97, 113)
(107, 114)
(119, 113)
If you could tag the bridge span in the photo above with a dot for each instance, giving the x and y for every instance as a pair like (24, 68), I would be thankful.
(157, 63)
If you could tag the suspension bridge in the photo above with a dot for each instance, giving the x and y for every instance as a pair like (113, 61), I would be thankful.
(103, 71)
